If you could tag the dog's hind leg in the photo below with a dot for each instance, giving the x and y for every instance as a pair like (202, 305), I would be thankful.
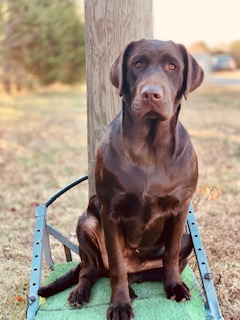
(89, 233)
(88, 274)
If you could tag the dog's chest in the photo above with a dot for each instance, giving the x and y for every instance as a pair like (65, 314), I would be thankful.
(143, 220)
(146, 196)
(150, 197)
(149, 183)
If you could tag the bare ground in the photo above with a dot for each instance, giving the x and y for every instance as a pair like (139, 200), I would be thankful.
(43, 147)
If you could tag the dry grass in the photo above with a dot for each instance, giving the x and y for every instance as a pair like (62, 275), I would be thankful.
(43, 147)
(212, 118)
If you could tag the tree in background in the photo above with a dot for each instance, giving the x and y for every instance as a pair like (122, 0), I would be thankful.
(42, 39)
(235, 51)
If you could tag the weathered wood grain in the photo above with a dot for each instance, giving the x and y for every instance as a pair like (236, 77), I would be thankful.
(109, 25)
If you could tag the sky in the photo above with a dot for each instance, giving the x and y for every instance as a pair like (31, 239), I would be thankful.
(187, 21)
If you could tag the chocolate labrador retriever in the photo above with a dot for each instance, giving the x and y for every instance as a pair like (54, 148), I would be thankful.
(146, 174)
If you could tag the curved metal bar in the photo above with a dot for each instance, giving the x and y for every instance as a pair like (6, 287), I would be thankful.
(62, 191)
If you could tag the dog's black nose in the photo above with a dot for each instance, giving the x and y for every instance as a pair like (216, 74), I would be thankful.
(152, 93)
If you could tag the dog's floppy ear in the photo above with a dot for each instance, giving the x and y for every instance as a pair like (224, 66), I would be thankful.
(119, 69)
(193, 73)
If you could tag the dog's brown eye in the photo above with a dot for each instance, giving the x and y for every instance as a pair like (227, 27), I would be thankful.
(138, 64)
(171, 66)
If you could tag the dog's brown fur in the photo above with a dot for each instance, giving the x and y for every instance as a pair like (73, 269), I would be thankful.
(146, 173)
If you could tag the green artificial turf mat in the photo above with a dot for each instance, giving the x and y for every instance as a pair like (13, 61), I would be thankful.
(151, 303)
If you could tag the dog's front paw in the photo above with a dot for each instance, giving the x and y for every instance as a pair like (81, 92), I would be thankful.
(79, 296)
(121, 311)
(178, 291)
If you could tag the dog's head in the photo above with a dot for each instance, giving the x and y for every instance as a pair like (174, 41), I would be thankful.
(153, 76)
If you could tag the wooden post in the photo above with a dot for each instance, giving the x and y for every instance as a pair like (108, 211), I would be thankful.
(109, 25)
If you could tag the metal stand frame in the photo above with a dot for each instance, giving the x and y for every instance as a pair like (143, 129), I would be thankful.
(41, 243)
(211, 305)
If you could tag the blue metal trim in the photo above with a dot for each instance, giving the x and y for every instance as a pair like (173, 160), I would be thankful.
(57, 235)
(41, 242)
(36, 269)
(47, 249)
(212, 307)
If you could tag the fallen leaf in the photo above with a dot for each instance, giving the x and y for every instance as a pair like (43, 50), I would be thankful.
(19, 298)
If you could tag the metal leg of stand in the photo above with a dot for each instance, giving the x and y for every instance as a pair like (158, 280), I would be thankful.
(57, 235)
(36, 269)
(212, 308)
(47, 250)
